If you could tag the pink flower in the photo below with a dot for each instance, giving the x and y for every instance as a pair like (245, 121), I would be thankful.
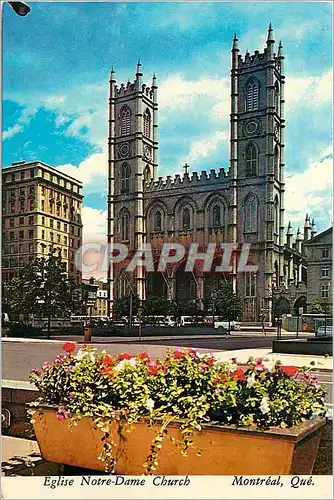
(192, 353)
(46, 366)
(36, 371)
(61, 414)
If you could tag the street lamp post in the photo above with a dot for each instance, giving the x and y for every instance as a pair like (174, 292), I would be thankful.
(140, 311)
(214, 298)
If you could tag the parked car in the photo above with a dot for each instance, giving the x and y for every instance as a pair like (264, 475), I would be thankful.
(234, 325)
(321, 331)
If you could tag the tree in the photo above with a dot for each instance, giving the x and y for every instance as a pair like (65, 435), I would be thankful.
(43, 289)
(317, 307)
(228, 305)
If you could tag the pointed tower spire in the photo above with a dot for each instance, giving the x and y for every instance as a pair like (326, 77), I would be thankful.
(270, 37)
(313, 229)
(280, 49)
(235, 43)
(289, 231)
(154, 81)
(112, 74)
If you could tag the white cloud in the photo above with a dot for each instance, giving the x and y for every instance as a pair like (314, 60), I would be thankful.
(94, 225)
(10, 132)
(311, 191)
(309, 91)
(88, 170)
(176, 92)
(205, 146)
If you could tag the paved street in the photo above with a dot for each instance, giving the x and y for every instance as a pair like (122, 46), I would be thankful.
(20, 356)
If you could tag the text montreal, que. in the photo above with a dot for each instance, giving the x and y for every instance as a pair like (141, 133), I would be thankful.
(257, 481)
(114, 481)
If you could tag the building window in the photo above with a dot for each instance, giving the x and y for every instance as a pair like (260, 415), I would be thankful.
(325, 253)
(216, 216)
(32, 172)
(43, 190)
(22, 176)
(43, 234)
(12, 193)
(11, 223)
(21, 235)
(43, 220)
(51, 236)
(325, 291)
(252, 95)
(250, 214)
(31, 248)
(325, 272)
(58, 226)
(186, 218)
(125, 121)
(125, 222)
(251, 160)
(21, 221)
(31, 221)
(65, 240)
(43, 205)
(21, 205)
(157, 221)
(51, 223)
(22, 191)
(65, 228)
(58, 238)
(125, 178)
(30, 235)
(276, 219)
(13, 177)
(65, 253)
(147, 174)
(250, 285)
(12, 207)
(276, 163)
(277, 98)
(12, 236)
(147, 123)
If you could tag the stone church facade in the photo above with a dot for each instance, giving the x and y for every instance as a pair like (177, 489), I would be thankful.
(243, 203)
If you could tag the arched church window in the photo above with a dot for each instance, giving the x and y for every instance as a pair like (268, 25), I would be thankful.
(252, 95)
(216, 216)
(276, 163)
(157, 221)
(277, 98)
(250, 225)
(276, 218)
(186, 218)
(125, 178)
(147, 123)
(147, 174)
(125, 225)
(125, 120)
(251, 160)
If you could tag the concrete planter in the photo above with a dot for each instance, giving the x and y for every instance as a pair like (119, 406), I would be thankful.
(226, 450)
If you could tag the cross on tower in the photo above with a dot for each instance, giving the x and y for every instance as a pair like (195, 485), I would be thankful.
(186, 166)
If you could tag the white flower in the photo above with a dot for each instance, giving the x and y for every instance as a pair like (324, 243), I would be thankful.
(269, 364)
(251, 380)
(82, 353)
(150, 404)
(264, 406)
(125, 362)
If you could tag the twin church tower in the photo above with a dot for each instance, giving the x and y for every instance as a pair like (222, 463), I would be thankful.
(243, 203)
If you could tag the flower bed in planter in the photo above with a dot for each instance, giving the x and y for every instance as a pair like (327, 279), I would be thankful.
(185, 413)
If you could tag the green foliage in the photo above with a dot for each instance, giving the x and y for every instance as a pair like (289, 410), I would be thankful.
(43, 289)
(183, 386)
(228, 304)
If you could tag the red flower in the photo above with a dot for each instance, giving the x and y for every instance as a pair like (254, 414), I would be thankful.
(108, 360)
(144, 356)
(211, 360)
(289, 370)
(152, 368)
(178, 354)
(69, 346)
(124, 355)
(239, 374)
(108, 371)
(234, 361)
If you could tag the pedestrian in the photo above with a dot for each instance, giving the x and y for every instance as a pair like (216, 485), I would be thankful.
(263, 325)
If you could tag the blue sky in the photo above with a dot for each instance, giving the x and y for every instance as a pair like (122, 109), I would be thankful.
(56, 65)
